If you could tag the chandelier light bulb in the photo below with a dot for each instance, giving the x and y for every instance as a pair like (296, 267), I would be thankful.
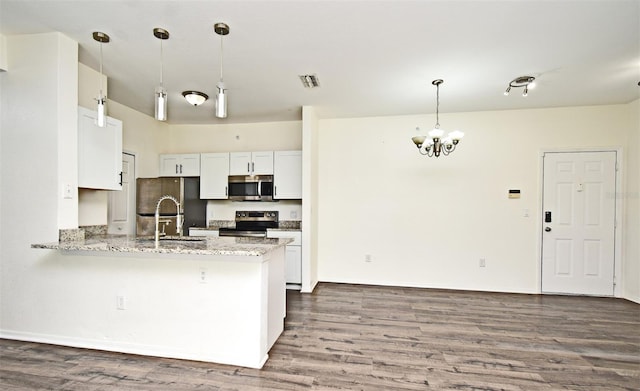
(506, 92)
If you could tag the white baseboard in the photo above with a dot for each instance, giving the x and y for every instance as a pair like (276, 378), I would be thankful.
(126, 347)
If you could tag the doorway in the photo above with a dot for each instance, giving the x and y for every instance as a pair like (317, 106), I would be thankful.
(579, 223)
(121, 211)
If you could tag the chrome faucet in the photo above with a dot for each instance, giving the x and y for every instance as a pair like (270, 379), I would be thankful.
(178, 217)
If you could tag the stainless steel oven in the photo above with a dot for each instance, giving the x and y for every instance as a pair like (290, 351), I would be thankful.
(251, 187)
(252, 223)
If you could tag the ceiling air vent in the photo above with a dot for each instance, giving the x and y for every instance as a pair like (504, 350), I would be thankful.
(309, 81)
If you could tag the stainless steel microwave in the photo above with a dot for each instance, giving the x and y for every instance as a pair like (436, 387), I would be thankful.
(251, 188)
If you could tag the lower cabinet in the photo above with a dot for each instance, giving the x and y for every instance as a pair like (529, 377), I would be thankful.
(203, 232)
(293, 258)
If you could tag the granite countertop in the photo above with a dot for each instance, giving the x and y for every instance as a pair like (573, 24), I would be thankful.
(235, 246)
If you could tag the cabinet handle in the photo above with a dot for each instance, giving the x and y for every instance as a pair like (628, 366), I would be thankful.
(248, 167)
(120, 178)
(275, 190)
(176, 168)
(226, 191)
(181, 169)
(253, 167)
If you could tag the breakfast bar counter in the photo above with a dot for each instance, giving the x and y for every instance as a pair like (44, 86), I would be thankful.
(209, 299)
(176, 245)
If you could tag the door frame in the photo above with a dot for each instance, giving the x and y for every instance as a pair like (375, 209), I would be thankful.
(617, 261)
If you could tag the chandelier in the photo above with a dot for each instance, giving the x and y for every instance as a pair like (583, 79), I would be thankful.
(436, 144)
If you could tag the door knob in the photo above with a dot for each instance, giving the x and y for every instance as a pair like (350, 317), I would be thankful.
(548, 229)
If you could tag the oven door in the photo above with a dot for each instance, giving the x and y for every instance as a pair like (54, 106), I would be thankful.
(242, 233)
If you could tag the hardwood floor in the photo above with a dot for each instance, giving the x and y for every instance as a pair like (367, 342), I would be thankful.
(357, 337)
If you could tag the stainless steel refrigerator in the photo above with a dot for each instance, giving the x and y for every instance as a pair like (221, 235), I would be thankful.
(185, 190)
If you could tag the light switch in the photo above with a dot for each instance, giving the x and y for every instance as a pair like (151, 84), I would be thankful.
(67, 191)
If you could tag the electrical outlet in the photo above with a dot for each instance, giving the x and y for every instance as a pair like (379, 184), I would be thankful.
(121, 302)
(203, 275)
(483, 262)
(367, 258)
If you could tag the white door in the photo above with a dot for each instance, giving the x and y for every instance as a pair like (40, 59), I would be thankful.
(578, 238)
(122, 204)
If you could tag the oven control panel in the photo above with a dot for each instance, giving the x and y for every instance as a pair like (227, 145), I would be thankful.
(255, 215)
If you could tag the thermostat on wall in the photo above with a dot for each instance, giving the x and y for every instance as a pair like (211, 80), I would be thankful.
(514, 193)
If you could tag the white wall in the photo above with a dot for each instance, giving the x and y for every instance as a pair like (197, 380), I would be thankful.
(263, 136)
(310, 210)
(3, 53)
(35, 124)
(631, 199)
(426, 222)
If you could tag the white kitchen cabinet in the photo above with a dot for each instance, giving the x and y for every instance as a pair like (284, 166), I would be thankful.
(251, 163)
(293, 257)
(214, 176)
(99, 152)
(203, 232)
(287, 175)
(180, 164)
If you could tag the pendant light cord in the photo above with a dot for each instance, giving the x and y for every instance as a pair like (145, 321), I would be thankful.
(101, 69)
(161, 64)
(221, 56)
(437, 106)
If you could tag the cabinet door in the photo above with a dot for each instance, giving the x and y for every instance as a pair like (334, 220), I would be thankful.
(287, 175)
(240, 163)
(180, 164)
(214, 174)
(169, 165)
(190, 164)
(99, 152)
(293, 265)
(262, 163)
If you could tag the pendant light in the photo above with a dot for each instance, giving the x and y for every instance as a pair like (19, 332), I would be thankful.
(435, 144)
(221, 29)
(101, 99)
(161, 93)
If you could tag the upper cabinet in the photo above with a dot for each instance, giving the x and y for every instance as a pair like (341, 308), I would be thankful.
(287, 175)
(99, 152)
(180, 164)
(251, 163)
(214, 174)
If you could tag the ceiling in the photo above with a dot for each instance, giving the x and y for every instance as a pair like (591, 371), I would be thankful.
(372, 58)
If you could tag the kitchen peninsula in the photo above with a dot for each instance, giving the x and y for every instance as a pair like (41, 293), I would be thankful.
(208, 299)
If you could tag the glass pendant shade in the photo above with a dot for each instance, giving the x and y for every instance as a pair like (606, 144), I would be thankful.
(221, 101)
(161, 104)
(101, 120)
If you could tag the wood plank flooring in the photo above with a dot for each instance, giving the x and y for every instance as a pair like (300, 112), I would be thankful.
(357, 337)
